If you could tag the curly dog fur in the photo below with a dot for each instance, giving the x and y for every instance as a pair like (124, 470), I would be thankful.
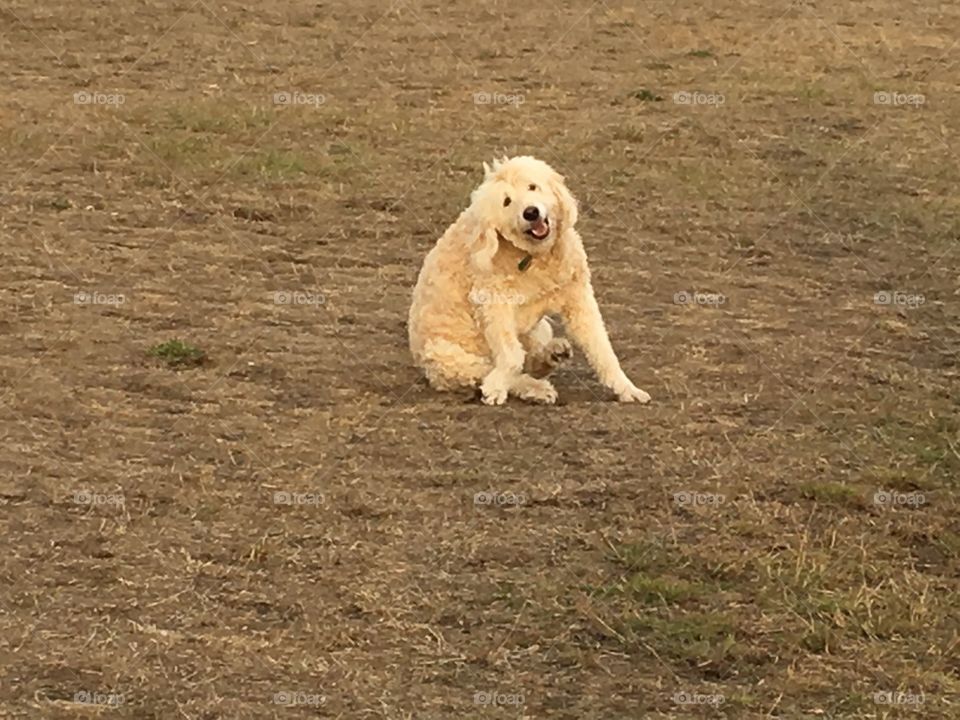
(480, 306)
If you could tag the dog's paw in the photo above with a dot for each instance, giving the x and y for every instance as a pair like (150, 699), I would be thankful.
(633, 394)
(495, 396)
(535, 390)
(560, 350)
(493, 391)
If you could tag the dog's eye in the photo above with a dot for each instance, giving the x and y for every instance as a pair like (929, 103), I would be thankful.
(533, 187)
(506, 201)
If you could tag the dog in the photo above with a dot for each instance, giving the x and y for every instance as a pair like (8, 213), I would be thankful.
(481, 303)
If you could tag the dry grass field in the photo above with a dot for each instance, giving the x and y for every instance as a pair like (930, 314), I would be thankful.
(226, 493)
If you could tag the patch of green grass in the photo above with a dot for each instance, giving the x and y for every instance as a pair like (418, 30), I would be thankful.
(923, 452)
(704, 180)
(695, 638)
(178, 153)
(700, 53)
(648, 590)
(177, 353)
(863, 613)
(949, 542)
(812, 91)
(672, 604)
(827, 492)
(646, 95)
(655, 559)
(274, 164)
(215, 139)
(27, 138)
(819, 639)
(196, 153)
(661, 589)
(844, 597)
(213, 118)
(629, 133)
(646, 555)
(341, 148)
(507, 593)
(935, 220)
(902, 479)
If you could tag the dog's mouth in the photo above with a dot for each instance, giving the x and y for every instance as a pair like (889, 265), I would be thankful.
(539, 229)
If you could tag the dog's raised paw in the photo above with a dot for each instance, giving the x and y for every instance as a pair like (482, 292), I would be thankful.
(560, 350)
(536, 390)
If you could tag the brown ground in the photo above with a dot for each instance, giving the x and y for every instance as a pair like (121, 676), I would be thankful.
(394, 595)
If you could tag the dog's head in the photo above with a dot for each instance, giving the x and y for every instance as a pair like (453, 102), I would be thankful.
(523, 201)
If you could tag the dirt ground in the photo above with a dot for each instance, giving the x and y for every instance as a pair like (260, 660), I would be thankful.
(291, 524)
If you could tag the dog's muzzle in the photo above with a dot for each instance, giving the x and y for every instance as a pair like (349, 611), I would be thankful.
(539, 229)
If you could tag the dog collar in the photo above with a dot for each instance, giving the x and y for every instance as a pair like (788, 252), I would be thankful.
(525, 261)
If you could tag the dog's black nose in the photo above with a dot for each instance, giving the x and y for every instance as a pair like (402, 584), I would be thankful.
(531, 213)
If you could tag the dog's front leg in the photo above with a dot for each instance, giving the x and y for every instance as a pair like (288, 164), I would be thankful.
(584, 324)
(500, 331)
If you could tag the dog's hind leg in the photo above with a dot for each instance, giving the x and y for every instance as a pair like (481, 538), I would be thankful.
(545, 353)
(448, 366)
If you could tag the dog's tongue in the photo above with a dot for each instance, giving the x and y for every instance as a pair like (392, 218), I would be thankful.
(540, 229)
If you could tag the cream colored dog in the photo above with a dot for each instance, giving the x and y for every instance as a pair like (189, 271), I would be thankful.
(480, 305)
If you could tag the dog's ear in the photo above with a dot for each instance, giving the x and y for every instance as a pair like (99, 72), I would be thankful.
(566, 202)
(481, 234)
(483, 246)
(489, 170)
